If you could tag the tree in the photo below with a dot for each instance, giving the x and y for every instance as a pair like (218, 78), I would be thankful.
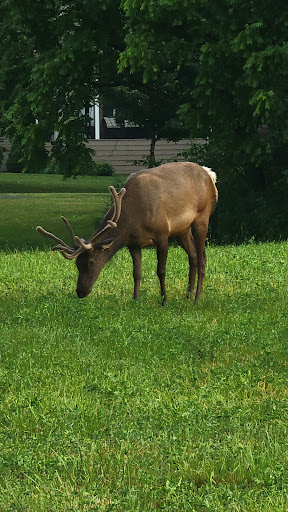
(152, 106)
(59, 57)
(56, 59)
(53, 57)
(220, 67)
(230, 58)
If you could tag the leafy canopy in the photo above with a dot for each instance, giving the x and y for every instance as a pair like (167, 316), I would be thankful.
(210, 69)
(231, 59)
(53, 57)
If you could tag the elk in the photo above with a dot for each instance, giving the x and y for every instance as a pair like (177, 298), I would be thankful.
(172, 200)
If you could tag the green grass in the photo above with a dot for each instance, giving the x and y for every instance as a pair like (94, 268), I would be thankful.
(21, 213)
(111, 404)
(29, 200)
(35, 183)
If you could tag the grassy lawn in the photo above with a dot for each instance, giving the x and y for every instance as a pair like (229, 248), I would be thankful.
(47, 183)
(29, 200)
(21, 213)
(111, 404)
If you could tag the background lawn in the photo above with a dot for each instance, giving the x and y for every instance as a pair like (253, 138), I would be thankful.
(29, 200)
(21, 213)
(48, 183)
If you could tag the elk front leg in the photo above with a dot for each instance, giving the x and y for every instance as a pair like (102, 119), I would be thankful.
(137, 264)
(162, 252)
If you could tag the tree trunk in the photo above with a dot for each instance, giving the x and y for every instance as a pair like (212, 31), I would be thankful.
(152, 160)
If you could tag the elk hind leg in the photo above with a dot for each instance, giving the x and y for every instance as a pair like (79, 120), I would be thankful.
(199, 232)
(162, 253)
(186, 241)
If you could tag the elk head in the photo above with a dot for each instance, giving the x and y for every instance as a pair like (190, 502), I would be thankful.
(91, 254)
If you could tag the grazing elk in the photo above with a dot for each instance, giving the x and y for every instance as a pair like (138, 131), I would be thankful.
(172, 200)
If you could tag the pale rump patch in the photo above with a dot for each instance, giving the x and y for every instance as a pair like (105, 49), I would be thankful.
(211, 173)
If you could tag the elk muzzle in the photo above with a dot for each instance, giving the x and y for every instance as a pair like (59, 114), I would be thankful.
(84, 286)
(82, 293)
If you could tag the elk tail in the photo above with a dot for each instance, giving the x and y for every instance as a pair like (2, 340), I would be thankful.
(211, 173)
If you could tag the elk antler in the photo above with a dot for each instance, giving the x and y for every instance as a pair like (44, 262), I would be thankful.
(80, 245)
(111, 223)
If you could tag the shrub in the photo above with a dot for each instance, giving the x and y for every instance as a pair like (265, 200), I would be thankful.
(14, 163)
(97, 169)
(90, 169)
(2, 151)
(252, 201)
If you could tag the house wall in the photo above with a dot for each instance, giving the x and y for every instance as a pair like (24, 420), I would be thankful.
(121, 153)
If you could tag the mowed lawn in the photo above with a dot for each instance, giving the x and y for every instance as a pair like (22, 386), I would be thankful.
(29, 200)
(21, 213)
(53, 183)
(113, 404)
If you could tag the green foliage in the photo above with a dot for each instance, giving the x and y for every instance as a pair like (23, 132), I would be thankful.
(1, 154)
(252, 203)
(98, 169)
(37, 161)
(111, 404)
(146, 162)
(50, 64)
(71, 156)
(86, 167)
(231, 65)
(216, 70)
(14, 163)
(152, 106)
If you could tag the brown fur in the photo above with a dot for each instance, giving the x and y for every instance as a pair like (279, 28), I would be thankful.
(159, 203)
(172, 200)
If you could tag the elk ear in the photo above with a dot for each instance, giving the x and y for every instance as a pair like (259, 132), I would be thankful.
(104, 244)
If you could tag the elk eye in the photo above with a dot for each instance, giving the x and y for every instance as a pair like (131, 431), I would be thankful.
(91, 263)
